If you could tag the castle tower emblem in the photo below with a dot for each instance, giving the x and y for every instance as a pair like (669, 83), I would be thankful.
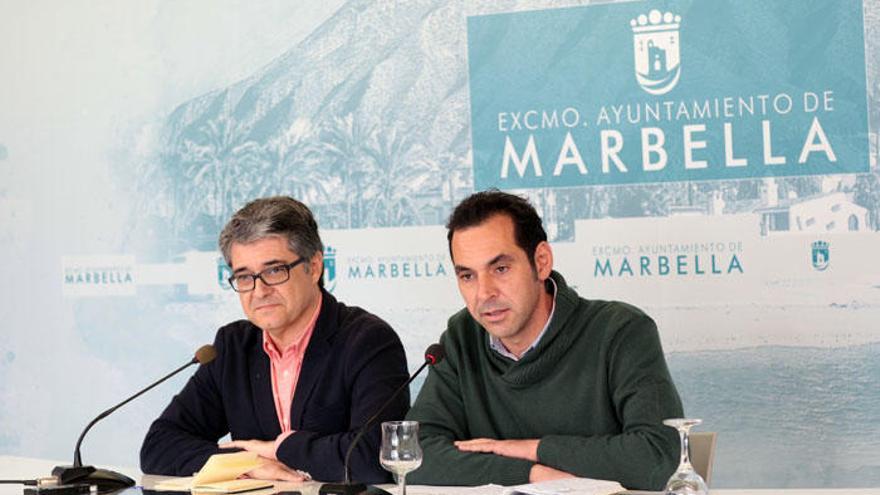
(821, 255)
(656, 46)
(329, 268)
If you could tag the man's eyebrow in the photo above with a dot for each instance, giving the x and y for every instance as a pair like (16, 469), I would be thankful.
(459, 269)
(498, 259)
(494, 261)
(266, 264)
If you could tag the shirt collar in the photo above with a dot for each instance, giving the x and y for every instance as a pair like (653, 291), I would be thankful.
(496, 344)
(271, 349)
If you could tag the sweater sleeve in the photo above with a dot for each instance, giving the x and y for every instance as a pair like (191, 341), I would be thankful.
(442, 420)
(645, 453)
(186, 434)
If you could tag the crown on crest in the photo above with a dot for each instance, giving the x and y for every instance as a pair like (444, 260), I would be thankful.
(655, 21)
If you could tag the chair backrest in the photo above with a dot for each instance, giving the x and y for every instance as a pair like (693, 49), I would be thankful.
(702, 453)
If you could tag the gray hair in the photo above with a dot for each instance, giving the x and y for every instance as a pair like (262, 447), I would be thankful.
(280, 216)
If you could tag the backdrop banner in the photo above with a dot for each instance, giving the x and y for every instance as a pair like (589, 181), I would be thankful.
(658, 91)
(713, 162)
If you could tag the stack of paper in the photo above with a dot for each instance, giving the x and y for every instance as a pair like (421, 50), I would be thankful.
(220, 475)
(570, 486)
(567, 486)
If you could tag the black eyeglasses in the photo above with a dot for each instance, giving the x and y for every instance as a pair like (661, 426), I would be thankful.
(274, 275)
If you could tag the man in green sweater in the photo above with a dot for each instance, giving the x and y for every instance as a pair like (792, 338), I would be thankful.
(539, 383)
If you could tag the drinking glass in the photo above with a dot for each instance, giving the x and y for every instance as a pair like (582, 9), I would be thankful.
(685, 480)
(401, 452)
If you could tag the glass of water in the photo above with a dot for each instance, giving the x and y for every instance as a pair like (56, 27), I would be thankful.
(685, 480)
(400, 452)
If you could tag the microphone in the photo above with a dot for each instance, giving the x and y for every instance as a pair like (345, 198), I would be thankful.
(106, 480)
(433, 355)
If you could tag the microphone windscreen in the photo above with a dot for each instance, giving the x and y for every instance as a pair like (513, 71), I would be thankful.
(206, 354)
(435, 353)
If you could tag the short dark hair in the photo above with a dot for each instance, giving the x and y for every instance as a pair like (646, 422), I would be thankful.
(479, 207)
(280, 216)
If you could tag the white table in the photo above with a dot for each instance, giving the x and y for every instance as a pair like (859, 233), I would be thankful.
(12, 467)
(435, 490)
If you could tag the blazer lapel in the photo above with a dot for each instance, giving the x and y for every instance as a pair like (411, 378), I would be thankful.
(263, 399)
(316, 356)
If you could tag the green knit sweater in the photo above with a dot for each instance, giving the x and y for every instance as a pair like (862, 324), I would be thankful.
(594, 391)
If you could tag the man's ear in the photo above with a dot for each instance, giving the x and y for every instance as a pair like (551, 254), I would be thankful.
(316, 266)
(543, 260)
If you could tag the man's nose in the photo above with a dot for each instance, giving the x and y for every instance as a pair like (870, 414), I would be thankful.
(261, 288)
(486, 288)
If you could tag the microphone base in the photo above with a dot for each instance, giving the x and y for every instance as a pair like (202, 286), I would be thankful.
(342, 489)
(351, 489)
(375, 490)
(70, 474)
(105, 480)
(75, 489)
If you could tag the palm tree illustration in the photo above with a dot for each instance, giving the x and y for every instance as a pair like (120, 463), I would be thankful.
(399, 171)
(292, 164)
(218, 167)
(345, 141)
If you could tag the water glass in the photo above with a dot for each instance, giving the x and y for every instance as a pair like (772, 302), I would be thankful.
(685, 480)
(400, 452)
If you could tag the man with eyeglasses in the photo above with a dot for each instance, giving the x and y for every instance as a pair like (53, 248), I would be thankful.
(297, 379)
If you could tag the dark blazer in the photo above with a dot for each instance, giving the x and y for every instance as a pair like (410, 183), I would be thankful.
(353, 363)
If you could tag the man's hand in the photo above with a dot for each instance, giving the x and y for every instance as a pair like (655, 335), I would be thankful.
(541, 472)
(263, 448)
(275, 470)
(518, 449)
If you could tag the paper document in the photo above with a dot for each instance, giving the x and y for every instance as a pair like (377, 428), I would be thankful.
(567, 486)
(452, 490)
(220, 474)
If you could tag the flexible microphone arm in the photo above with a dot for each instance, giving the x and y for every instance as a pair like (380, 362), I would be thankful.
(372, 420)
(77, 473)
(77, 459)
(204, 355)
(433, 355)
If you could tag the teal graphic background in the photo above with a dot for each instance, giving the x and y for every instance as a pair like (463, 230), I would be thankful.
(582, 58)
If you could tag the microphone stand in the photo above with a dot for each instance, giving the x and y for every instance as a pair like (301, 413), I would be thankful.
(347, 487)
(105, 479)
